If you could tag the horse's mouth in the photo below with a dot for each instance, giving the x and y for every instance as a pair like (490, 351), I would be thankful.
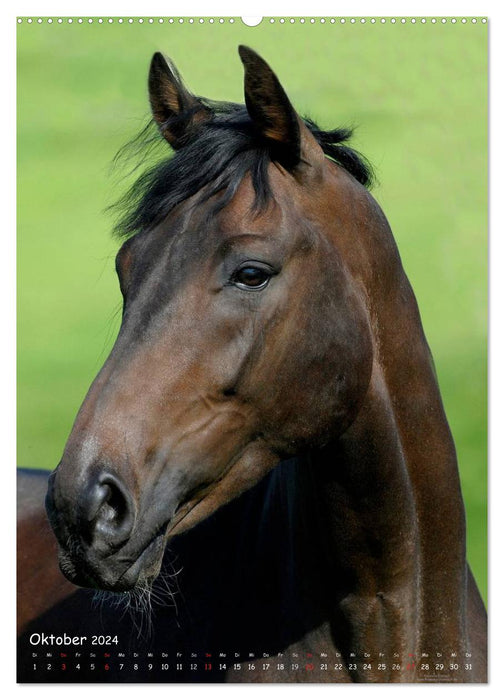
(135, 573)
(147, 566)
(121, 571)
(117, 573)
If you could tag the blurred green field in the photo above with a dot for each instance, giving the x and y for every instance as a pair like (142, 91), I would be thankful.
(418, 94)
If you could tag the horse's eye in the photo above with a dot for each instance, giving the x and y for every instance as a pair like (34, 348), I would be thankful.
(250, 277)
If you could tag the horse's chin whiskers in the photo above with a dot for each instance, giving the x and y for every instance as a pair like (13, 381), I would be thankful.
(165, 588)
(139, 602)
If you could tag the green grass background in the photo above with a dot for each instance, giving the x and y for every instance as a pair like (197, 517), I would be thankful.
(418, 94)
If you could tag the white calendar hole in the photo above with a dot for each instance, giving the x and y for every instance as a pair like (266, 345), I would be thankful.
(251, 21)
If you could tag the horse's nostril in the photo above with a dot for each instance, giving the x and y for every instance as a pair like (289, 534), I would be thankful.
(108, 512)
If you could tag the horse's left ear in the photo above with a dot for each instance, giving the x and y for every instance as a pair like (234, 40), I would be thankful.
(272, 113)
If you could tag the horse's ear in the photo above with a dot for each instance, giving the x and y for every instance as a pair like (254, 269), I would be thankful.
(175, 110)
(269, 108)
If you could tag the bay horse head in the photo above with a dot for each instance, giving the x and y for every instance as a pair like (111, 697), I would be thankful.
(246, 334)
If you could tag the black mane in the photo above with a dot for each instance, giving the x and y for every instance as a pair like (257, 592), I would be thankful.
(216, 159)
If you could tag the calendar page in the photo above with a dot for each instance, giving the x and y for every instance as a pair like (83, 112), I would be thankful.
(252, 349)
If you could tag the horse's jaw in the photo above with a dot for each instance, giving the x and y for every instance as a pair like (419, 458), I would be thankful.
(252, 465)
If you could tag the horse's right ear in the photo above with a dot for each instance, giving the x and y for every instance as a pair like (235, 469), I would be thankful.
(175, 110)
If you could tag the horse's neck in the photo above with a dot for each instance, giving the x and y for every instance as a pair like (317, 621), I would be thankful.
(389, 488)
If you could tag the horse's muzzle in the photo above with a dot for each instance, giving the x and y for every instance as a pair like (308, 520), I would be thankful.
(94, 527)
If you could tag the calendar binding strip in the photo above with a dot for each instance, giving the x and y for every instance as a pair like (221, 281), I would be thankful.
(270, 20)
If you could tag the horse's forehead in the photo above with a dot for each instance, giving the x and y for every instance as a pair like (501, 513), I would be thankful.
(243, 215)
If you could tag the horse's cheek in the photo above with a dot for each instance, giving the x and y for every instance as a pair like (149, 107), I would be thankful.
(320, 399)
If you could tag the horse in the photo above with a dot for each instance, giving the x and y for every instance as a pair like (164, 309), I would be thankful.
(269, 415)
(40, 584)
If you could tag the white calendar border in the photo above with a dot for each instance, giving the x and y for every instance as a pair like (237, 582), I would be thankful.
(7, 417)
